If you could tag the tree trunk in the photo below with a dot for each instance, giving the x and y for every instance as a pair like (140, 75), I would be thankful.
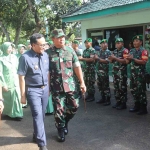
(19, 27)
(4, 30)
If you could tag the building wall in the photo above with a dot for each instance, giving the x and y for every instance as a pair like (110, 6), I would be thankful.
(118, 20)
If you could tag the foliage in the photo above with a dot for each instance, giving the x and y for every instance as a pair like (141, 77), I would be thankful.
(20, 19)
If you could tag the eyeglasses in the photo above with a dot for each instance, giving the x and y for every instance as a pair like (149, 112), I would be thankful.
(41, 45)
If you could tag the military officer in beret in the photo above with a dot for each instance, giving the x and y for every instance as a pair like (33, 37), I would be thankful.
(137, 58)
(89, 69)
(102, 69)
(63, 64)
(120, 74)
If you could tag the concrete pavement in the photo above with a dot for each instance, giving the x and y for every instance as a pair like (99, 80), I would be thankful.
(101, 128)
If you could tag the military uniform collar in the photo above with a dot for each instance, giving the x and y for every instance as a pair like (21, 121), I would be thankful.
(58, 49)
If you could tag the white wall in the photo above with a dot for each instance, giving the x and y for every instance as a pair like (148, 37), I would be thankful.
(114, 21)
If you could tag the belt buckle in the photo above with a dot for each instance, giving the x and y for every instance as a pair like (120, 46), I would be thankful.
(42, 87)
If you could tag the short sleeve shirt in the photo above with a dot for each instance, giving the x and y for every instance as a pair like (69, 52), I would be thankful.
(35, 68)
(62, 62)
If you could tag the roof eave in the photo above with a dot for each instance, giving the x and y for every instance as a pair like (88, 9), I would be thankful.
(107, 12)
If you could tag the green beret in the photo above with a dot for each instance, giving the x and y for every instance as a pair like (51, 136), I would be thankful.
(104, 41)
(75, 42)
(67, 42)
(88, 40)
(50, 42)
(57, 33)
(138, 37)
(119, 40)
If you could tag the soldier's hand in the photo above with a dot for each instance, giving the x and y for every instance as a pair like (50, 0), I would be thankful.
(5, 89)
(23, 100)
(83, 88)
(96, 57)
(111, 57)
(80, 58)
(129, 57)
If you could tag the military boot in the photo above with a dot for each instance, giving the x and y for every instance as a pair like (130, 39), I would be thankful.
(143, 110)
(61, 135)
(122, 106)
(107, 101)
(117, 104)
(90, 98)
(66, 128)
(136, 107)
(101, 101)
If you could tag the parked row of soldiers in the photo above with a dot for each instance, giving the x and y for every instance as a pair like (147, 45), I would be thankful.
(120, 57)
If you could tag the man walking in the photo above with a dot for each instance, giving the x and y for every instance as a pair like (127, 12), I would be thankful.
(33, 73)
(63, 63)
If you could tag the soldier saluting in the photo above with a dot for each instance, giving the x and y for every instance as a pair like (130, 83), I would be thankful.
(138, 57)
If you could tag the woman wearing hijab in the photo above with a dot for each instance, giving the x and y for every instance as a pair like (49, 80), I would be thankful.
(10, 83)
(21, 50)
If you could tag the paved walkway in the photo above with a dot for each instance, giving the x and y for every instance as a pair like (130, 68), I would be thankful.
(101, 128)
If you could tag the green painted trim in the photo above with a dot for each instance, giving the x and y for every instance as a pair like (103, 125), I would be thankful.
(109, 11)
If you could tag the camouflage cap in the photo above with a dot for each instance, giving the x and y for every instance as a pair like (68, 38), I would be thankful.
(119, 40)
(139, 37)
(88, 40)
(75, 42)
(57, 33)
(104, 41)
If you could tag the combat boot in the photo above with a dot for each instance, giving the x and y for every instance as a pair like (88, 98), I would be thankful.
(61, 135)
(90, 98)
(122, 106)
(117, 104)
(143, 110)
(136, 107)
(107, 102)
(101, 101)
(66, 128)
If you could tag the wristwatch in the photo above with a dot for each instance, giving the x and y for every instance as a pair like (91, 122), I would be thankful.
(107, 59)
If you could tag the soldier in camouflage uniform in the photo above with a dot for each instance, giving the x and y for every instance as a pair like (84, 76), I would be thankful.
(102, 69)
(89, 69)
(138, 58)
(75, 46)
(63, 63)
(120, 74)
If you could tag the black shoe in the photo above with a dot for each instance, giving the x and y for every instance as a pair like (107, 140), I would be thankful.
(66, 128)
(18, 118)
(43, 148)
(100, 101)
(34, 138)
(136, 108)
(116, 105)
(61, 135)
(121, 106)
(26, 106)
(107, 103)
(90, 98)
(143, 110)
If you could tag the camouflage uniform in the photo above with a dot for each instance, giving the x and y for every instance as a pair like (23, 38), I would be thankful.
(137, 83)
(78, 53)
(89, 71)
(62, 83)
(102, 70)
(120, 76)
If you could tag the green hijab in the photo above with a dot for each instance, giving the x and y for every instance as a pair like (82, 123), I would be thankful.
(19, 47)
(4, 47)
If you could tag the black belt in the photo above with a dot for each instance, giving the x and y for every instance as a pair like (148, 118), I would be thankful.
(38, 86)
